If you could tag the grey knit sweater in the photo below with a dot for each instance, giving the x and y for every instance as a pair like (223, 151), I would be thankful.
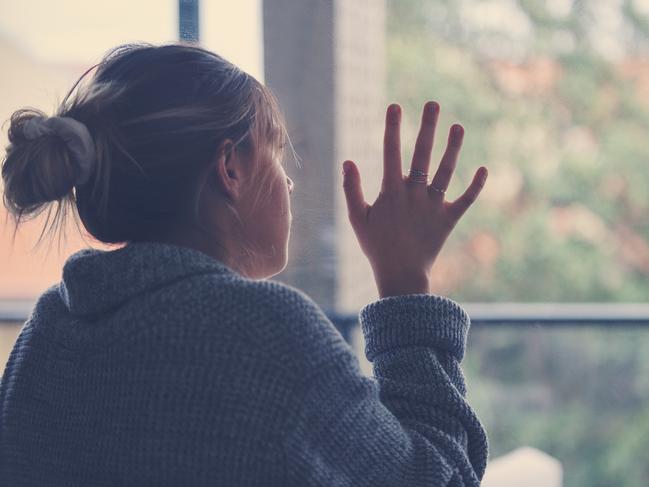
(157, 365)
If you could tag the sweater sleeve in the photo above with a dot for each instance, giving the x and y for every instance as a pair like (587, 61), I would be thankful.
(409, 424)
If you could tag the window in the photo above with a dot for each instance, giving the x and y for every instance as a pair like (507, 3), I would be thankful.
(553, 96)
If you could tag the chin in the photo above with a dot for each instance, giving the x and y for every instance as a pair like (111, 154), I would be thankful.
(275, 268)
(283, 263)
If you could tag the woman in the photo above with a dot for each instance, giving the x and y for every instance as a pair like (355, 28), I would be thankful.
(172, 360)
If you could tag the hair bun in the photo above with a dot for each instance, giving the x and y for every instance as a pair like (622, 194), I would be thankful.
(40, 163)
(36, 127)
(75, 135)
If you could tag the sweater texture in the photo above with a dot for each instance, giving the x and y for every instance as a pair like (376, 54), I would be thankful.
(158, 365)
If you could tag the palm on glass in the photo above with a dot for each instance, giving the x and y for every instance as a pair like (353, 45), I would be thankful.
(404, 230)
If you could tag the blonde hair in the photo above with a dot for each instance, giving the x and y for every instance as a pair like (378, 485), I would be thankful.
(157, 115)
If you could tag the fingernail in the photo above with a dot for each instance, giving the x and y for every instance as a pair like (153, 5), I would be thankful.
(346, 167)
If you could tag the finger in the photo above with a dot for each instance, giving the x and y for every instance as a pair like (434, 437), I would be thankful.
(392, 175)
(444, 173)
(426, 137)
(460, 205)
(356, 204)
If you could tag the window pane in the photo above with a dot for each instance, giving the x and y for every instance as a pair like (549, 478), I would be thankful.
(553, 96)
(579, 394)
(41, 56)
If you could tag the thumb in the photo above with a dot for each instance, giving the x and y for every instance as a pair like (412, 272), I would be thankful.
(356, 205)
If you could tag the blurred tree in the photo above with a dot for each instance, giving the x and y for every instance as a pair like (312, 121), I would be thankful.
(554, 99)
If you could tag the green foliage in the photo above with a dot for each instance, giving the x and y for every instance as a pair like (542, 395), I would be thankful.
(578, 394)
(563, 135)
(563, 127)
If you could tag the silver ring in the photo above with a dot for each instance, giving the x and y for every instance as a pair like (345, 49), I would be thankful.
(442, 191)
(416, 176)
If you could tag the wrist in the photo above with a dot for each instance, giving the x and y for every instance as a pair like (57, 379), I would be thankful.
(416, 283)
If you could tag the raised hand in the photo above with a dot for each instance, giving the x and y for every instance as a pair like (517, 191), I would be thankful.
(403, 231)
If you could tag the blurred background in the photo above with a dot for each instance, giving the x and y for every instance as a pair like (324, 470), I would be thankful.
(554, 97)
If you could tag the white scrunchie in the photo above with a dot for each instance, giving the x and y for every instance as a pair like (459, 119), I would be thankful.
(75, 135)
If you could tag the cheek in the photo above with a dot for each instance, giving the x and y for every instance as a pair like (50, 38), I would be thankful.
(283, 198)
(273, 206)
(276, 206)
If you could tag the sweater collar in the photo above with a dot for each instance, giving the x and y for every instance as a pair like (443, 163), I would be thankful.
(96, 280)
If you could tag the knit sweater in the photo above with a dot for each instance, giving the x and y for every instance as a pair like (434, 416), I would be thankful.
(158, 365)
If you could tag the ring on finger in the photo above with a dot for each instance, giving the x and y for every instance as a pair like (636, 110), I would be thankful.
(418, 176)
(441, 191)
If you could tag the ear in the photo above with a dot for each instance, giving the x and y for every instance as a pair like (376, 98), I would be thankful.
(228, 169)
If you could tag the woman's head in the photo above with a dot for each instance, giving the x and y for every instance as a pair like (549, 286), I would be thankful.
(188, 149)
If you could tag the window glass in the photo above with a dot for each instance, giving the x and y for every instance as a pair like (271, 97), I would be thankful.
(41, 56)
(577, 394)
(554, 99)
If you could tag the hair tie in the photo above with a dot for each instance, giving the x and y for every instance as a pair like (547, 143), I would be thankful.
(76, 137)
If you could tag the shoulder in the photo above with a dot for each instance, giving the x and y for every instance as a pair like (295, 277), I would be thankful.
(263, 299)
(281, 319)
(49, 304)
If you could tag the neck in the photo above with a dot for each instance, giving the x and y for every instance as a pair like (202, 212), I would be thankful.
(230, 253)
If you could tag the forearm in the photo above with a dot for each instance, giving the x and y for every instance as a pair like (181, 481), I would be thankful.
(410, 425)
(416, 344)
